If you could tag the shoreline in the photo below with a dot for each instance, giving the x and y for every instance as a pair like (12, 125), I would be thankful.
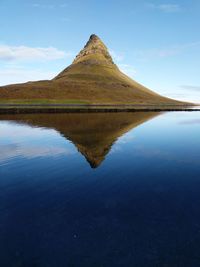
(78, 108)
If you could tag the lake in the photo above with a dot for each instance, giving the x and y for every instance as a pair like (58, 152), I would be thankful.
(100, 189)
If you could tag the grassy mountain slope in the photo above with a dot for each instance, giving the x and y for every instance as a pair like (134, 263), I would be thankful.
(91, 78)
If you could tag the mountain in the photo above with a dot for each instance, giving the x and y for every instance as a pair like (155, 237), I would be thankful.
(92, 78)
(93, 134)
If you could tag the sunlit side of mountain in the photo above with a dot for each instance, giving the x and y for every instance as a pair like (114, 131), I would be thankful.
(92, 78)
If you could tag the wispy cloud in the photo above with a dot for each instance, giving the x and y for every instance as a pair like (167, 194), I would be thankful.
(116, 56)
(194, 121)
(120, 59)
(127, 69)
(185, 96)
(9, 53)
(28, 142)
(167, 8)
(164, 52)
(127, 138)
(37, 5)
(10, 151)
(157, 53)
(191, 88)
(49, 6)
(189, 93)
(17, 74)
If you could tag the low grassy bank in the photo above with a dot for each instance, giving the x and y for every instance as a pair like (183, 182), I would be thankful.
(82, 102)
(42, 101)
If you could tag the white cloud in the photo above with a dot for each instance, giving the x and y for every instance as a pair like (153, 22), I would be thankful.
(189, 93)
(127, 69)
(23, 132)
(37, 5)
(19, 75)
(167, 8)
(186, 96)
(11, 151)
(127, 138)
(165, 51)
(49, 6)
(191, 88)
(156, 53)
(25, 53)
(116, 56)
(194, 121)
(13, 56)
(30, 142)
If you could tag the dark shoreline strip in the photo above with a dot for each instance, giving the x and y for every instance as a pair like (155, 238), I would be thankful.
(87, 110)
(90, 105)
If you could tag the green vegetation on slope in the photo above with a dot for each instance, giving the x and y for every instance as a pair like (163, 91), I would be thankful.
(92, 78)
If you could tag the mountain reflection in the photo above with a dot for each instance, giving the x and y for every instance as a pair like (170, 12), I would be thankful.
(93, 134)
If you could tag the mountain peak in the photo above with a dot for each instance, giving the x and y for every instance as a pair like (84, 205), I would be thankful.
(94, 37)
(94, 51)
(95, 43)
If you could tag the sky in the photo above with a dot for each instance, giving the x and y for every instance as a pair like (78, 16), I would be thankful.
(156, 42)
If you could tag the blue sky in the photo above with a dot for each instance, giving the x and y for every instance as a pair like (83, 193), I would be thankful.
(155, 42)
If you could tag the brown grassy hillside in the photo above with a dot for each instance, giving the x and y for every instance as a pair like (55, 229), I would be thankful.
(91, 78)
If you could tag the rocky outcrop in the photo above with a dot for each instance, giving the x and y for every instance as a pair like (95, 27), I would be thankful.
(94, 47)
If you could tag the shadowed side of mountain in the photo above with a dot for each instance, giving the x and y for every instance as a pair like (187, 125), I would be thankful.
(91, 78)
(93, 134)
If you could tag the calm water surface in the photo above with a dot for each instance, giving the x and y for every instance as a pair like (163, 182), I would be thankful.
(100, 190)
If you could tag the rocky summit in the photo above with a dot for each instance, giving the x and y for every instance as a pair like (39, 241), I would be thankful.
(93, 47)
(94, 54)
(92, 78)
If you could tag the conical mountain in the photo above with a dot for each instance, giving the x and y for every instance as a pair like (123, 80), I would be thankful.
(92, 78)
(93, 134)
